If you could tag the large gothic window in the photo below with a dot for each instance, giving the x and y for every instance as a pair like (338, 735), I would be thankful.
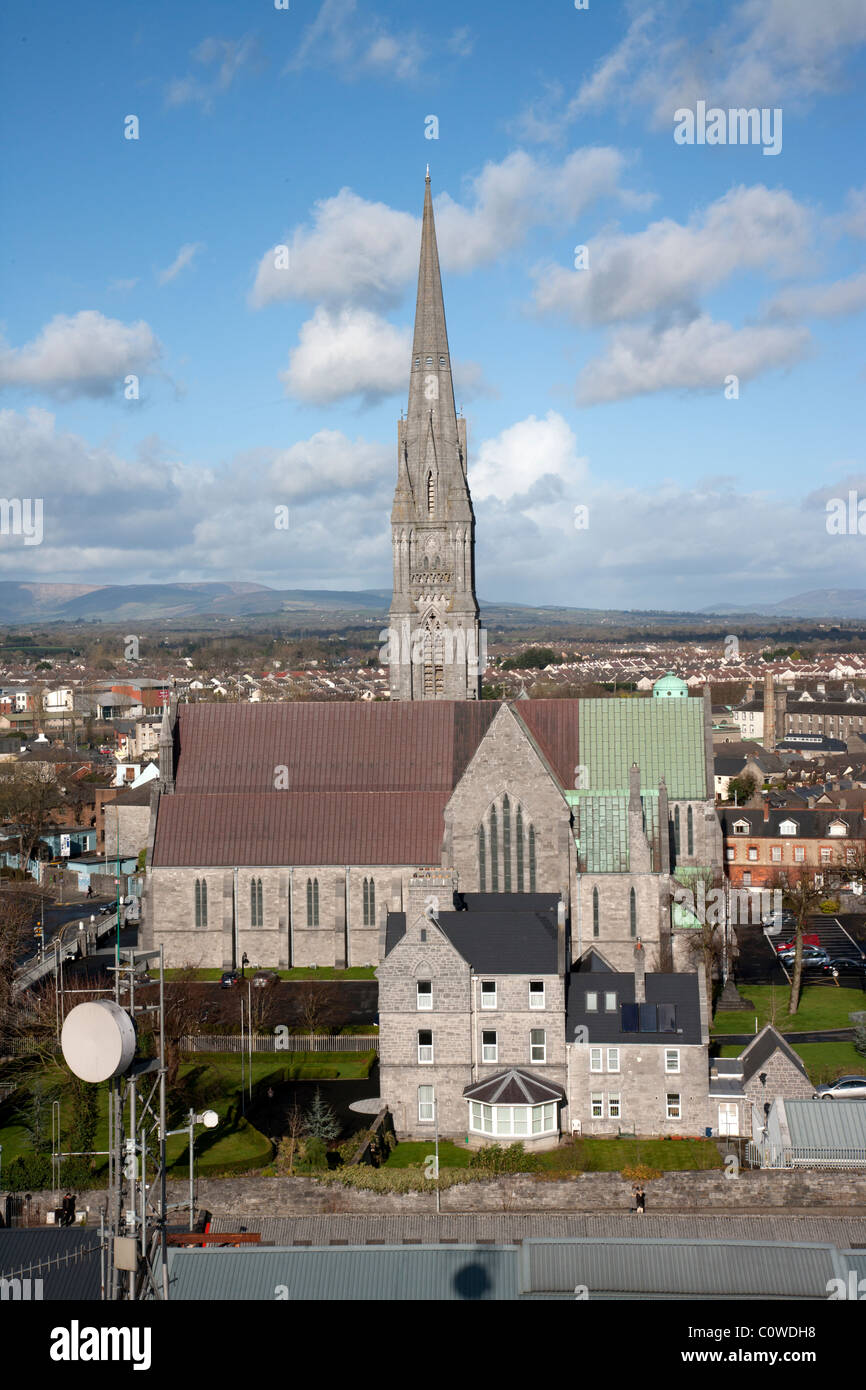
(532, 859)
(632, 912)
(595, 912)
(312, 902)
(256, 903)
(431, 493)
(201, 902)
(369, 902)
(434, 660)
(506, 843)
(690, 831)
(519, 848)
(677, 831)
(482, 861)
(494, 852)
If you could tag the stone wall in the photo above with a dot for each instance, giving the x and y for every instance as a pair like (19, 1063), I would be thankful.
(247, 1198)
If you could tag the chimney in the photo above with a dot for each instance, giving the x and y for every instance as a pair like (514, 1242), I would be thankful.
(766, 809)
(639, 973)
(434, 886)
(769, 713)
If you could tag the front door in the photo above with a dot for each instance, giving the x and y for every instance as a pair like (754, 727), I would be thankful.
(728, 1118)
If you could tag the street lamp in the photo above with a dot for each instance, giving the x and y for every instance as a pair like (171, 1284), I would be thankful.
(210, 1119)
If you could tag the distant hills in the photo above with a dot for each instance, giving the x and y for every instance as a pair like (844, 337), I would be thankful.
(122, 603)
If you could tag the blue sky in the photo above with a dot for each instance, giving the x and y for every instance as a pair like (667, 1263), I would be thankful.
(602, 387)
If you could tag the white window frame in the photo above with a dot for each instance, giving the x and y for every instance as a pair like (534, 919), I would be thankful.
(673, 1101)
(675, 1053)
(533, 1047)
(424, 1048)
(595, 1059)
(500, 1121)
(613, 1059)
(788, 827)
(489, 1047)
(753, 854)
(609, 1002)
(799, 854)
(592, 1001)
(423, 1104)
(776, 854)
(536, 995)
(488, 997)
(423, 1002)
(596, 1105)
(614, 1105)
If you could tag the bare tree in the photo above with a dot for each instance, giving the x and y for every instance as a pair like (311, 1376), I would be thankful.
(801, 898)
(293, 1133)
(705, 942)
(318, 1005)
(185, 1004)
(27, 799)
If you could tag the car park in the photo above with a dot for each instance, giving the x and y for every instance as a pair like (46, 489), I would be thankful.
(229, 978)
(809, 939)
(846, 965)
(812, 956)
(262, 978)
(846, 1088)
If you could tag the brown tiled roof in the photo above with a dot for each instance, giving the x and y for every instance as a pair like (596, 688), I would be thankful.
(300, 828)
(554, 724)
(337, 746)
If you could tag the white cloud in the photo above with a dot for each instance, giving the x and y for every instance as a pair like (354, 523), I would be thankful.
(687, 356)
(84, 354)
(342, 39)
(185, 256)
(510, 465)
(668, 265)
(352, 352)
(821, 301)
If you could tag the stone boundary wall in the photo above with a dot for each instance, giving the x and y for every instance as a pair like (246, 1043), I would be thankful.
(686, 1192)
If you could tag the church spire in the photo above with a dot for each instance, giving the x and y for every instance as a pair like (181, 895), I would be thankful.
(433, 526)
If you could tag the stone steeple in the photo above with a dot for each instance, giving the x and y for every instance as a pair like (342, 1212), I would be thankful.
(435, 650)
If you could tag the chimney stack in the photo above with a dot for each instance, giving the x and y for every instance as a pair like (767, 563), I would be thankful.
(766, 809)
(560, 938)
(639, 973)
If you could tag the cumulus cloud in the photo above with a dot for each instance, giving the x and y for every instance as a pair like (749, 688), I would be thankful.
(821, 301)
(84, 354)
(687, 356)
(668, 264)
(511, 464)
(349, 353)
(185, 256)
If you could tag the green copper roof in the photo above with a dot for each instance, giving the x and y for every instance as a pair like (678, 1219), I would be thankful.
(670, 685)
(601, 824)
(664, 737)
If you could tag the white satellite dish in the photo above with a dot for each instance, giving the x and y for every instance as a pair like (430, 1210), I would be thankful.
(98, 1040)
(210, 1119)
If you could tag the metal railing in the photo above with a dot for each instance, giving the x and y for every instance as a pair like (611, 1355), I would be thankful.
(271, 1042)
(799, 1156)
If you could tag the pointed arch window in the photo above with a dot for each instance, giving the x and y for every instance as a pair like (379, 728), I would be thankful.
(677, 830)
(431, 492)
(690, 831)
(632, 913)
(595, 912)
(506, 843)
(519, 848)
(482, 861)
(532, 859)
(256, 903)
(201, 902)
(434, 660)
(312, 902)
(369, 902)
(494, 852)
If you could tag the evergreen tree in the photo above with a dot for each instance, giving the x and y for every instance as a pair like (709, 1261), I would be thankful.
(321, 1120)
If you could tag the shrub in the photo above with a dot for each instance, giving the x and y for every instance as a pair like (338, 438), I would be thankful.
(494, 1158)
(640, 1172)
(860, 1040)
(28, 1173)
(831, 906)
(314, 1156)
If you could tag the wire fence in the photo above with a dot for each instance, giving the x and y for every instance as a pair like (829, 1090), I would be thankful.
(280, 1042)
(798, 1156)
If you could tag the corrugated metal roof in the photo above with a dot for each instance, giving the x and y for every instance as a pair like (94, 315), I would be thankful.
(743, 1269)
(380, 1274)
(367, 828)
(69, 1260)
(832, 1124)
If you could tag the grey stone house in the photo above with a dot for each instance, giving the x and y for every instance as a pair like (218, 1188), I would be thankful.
(472, 1015)
(744, 1088)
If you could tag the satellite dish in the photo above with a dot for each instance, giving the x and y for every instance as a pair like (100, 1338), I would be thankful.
(210, 1119)
(98, 1040)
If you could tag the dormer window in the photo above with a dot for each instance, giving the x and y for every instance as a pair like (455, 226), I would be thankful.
(741, 827)
(788, 827)
(838, 827)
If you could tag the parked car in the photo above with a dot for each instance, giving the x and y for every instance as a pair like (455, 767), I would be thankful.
(229, 978)
(264, 977)
(812, 956)
(809, 939)
(846, 1088)
(846, 965)
(779, 920)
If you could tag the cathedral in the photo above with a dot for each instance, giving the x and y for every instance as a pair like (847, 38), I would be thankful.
(332, 834)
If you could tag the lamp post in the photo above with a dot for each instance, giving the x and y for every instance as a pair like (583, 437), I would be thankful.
(210, 1119)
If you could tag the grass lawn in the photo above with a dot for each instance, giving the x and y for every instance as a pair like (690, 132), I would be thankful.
(821, 1006)
(588, 1155)
(823, 1061)
(225, 1067)
(319, 972)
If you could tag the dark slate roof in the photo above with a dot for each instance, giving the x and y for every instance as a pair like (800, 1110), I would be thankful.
(133, 796)
(680, 990)
(791, 742)
(516, 937)
(514, 1087)
(756, 1055)
(811, 824)
(62, 1278)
